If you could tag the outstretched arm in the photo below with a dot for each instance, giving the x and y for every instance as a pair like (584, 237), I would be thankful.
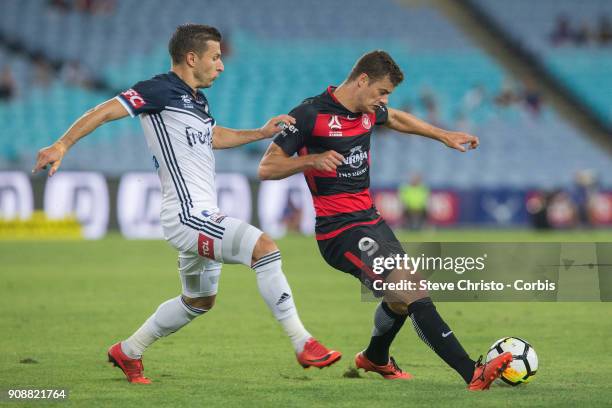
(407, 123)
(276, 164)
(224, 138)
(90, 121)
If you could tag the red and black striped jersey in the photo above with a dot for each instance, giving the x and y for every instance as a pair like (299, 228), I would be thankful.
(342, 197)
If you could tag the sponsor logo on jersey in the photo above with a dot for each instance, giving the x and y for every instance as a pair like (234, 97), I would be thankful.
(335, 127)
(287, 129)
(356, 157)
(194, 136)
(366, 122)
(134, 98)
(206, 246)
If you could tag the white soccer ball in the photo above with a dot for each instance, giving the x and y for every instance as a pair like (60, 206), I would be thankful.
(524, 364)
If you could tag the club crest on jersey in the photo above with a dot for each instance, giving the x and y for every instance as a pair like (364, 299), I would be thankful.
(366, 122)
(356, 157)
(335, 127)
(215, 217)
(187, 101)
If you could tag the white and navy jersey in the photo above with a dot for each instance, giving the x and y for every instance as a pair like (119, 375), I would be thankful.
(178, 128)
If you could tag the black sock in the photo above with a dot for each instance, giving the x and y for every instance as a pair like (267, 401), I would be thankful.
(438, 336)
(386, 326)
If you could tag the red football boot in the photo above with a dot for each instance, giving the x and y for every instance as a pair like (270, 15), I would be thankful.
(391, 371)
(132, 368)
(317, 355)
(486, 373)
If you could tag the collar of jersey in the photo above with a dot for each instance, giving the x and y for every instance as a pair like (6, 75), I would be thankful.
(184, 84)
(330, 92)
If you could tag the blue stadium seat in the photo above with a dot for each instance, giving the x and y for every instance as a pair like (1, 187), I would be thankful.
(582, 68)
(275, 63)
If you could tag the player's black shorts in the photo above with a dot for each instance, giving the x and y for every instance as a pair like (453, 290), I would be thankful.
(354, 250)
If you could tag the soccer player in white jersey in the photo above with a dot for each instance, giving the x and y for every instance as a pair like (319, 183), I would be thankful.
(181, 134)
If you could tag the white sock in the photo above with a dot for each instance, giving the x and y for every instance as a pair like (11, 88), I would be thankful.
(275, 290)
(169, 317)
(295, 330)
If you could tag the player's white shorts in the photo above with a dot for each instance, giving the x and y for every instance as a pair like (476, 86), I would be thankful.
(204, 243)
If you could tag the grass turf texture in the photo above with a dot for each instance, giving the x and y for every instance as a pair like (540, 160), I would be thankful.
(63, 304)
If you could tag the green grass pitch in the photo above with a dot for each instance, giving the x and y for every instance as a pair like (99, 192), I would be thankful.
(62, 304)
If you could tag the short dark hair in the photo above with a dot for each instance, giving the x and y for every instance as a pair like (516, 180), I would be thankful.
(377, 65)
(191, 38)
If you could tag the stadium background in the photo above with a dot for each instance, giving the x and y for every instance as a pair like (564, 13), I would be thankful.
(532, 79)
(540, 104)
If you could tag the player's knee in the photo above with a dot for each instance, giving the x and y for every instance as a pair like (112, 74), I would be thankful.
(201, 303)
(400, 308)
(264, 246)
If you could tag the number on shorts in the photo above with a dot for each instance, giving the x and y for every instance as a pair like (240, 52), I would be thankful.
(368, 245)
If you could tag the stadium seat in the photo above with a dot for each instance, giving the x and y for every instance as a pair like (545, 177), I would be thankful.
(275, 63)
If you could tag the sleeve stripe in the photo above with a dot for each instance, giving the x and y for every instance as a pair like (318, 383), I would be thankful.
(126, 105)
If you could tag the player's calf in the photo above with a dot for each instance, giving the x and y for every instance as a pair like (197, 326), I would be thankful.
(388, 321)
(428, 324)
(274, 288)
(271, 281)
(169, 317)
(434, 331)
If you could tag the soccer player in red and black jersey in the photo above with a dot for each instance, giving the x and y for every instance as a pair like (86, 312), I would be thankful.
(331, 138)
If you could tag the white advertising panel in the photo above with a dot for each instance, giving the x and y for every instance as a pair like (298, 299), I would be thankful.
(83, 194)
(139, 202)
(138, 206)
(16, 199)
(234, 196)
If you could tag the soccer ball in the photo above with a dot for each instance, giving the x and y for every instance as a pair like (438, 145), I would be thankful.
(524, 363)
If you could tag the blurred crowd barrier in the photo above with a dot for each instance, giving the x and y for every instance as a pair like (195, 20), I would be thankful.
(131, 204)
